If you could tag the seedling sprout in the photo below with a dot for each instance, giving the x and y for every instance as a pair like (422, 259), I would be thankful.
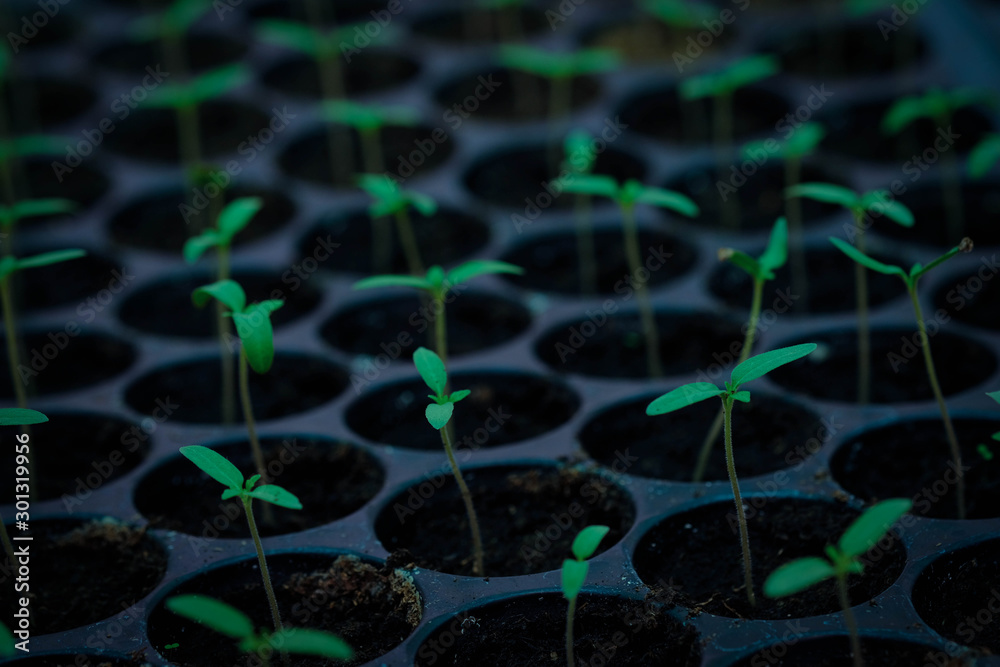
(16, 417)
(984, 156)
(579, 158)
(574, 574)
(392, 200)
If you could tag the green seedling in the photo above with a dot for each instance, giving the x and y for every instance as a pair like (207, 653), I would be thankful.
(220, 469)
(579, 158)
(761, 270)
(627, 195)
(436, 284)
(984, 156)
(910, 279)
(16, 417)
(841, 560)
(861, 205)
(574, 574)
(681, 14)
(233, 623)
(438, 414)
(695, 392)
(721, 86)
(232, 219)
(170, 26)
(802, 143)
(253, 326)
(392, 200)
(940, 107)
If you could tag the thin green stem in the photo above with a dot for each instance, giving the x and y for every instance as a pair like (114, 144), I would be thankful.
(371, 149)
(247, 404)
(226, 355)
(272, 601)
(796, 246)
(849, 620)
(187, 135)
(440, 330)
(585, 246)
(861, 301)
(727, 406)
(723, 131)
(409, 242)
(477, 540)
(570, 614)
(560, 106)
(649, 328)
(956, 453)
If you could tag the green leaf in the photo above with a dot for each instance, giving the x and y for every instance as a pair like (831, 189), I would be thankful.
(256, 332)
(668, 199)
(796, 576)
(7, 647)
(596, 185)
(439, 414)
(764, 363)
(866, 261)
(744, 261)
(587, 540)
(33, 208)
(879, 201)
(290, 35)
(553, 65)
(903, 112)
(741, 396)
(33, 144)
(479, 267)
(995, 395)
(215, 614)
(776, 253)
(855, 8)
(984, 156)
(827, 193)
(368, 117)
(424, 204)
(196, 246)
(209, 85)
(228, 292)
(678, 13)
(681, 397)
(276, 495)
(21, 417)
(804, 140)
(49, 258)
(392, 281)
(578, 148)
(305, 641)
(237, 215)
(431, 369)
(215, 465)
(869, 528)
(457, 396)
(574, 574)
(726, 81)
(175, 20)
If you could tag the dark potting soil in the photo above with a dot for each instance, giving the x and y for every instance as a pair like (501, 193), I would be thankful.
(444, 238)
(43, 102)
(530, 630)
(912, 459)
(189, 391)
(66, 282)
(643, 39)
(481, 25)
(690, 550)
(331, 479)
(898, 370)
(372, 607)
(528, 518)
(165, 308)
(499, 93)
(503, 408)
(77, 453)
(551, 262)
(836, 652)
(969, 298)
(369, 71)
(825, 290)
(395, 327)
(613, 346)
(201, 51)
(770, 434)
(53, 362)
(83, 572)
(981, 209)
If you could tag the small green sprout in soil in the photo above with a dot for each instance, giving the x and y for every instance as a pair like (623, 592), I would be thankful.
(910, 279)
(392, 200)
(436, 283)
(695, 392)
(984, 156)
(233, 623)
(861, 207)
(627, 195)
(219, 468)
(842, 559)
(438, 414)
(761, 270)
(232, 219)
(574, 574)
(579, 157)
(16, 417)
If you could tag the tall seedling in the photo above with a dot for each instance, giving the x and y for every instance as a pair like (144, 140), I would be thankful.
(579, 158)
(574, 574)
(390, 199)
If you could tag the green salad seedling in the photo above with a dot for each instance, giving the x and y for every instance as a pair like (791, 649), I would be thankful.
(579, 158)
(695, 392)
(627, 195)
(841, 560)
(17, 417)
(861, 205)
(984, 155)
(574, 574)
(910, 279)
(438, 414)
(219, 468)
(761, 270)
(390, 199)
(233, 623)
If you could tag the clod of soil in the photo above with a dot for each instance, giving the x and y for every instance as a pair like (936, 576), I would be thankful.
(699, 552)
(480, 25)
(59, 361)
(528, 518)
(201, 51)
(972, 297)
(852, 50)
(501, 94)
(368, 71)
(836, 652)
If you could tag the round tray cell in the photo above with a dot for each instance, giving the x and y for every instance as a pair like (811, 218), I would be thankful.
(84, 571)
(479, 26)
(980, 210)
(957, 596)
(189, 392)
(331, 479)
(608, 343)
(699, 552)
(528, 517)
(343, 12)
(42, 102)
(225, 128)
(754, 196)
(65, 359)
(659, 113)
(368, 71)
(163, 221)
(94, 275)
(71, 178)
(405, 151)
(855, 131)
(165, 309)
(973, 297)
(77, 454)
(501, 94)
(370, 605)
(529, 630)
(521, 178)
(912, 459)
(898, 371)
(644, 39)
(551, 262)
(836, 652)
(394, 328)
(201, 51)
(445, 238)
(825, 290)
(769, 434)
(503, 408)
